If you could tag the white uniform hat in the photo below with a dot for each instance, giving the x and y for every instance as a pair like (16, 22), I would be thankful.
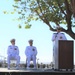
(30, 40)
(12, 40)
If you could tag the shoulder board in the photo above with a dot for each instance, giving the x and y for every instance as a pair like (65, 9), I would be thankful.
(62, 33)
(9, 46)
(34, 47)
(54, 33)
(27, 46)
(16, 46)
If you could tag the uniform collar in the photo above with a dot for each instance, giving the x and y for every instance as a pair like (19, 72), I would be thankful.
(12, 45)
(57, 32)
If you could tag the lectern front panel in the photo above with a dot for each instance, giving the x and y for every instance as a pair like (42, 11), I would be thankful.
(65, 54)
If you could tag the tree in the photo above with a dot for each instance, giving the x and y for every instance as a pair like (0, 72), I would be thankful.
(73, 7)
(51, 12)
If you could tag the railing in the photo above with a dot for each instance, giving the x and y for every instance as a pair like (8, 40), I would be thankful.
(3, 60)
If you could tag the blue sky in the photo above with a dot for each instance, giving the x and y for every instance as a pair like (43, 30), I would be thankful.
(39, 32)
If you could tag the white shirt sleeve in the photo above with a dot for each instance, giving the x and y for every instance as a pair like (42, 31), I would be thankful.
(8, 51)
(53, 37)
(35, 52)
(17, 51)
(64, 37)
(26, 51)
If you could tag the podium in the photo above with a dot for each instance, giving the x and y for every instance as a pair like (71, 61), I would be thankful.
(65, 57)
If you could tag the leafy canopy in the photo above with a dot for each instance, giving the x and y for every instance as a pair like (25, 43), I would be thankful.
(49, 11)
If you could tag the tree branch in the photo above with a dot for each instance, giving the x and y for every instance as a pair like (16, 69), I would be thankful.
(71, 33)
(44, 20)
(68, 17)
(61, 8)
(67, 7)
(43, 16)
(73, 7)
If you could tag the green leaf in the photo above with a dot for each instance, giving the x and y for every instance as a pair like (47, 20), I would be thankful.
(5, 12)
(27, 26)
(19, 26)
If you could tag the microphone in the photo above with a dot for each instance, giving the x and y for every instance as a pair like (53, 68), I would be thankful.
(56, 35)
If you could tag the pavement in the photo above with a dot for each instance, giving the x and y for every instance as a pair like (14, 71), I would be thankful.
(20, 70)
(33, 70)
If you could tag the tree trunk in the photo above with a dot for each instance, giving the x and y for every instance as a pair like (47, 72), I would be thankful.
(71, 33)
(73, 7)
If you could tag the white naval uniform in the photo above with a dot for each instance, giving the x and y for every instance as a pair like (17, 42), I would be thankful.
(55, 38)
(31, 53)
(13, 54)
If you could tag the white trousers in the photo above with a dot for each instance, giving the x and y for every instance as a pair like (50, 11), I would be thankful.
(55, 56)
(16, 57)
(31, 58)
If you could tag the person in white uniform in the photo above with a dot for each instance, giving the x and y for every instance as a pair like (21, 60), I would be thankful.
(13, 54)
(55, 38)
(31, 53)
